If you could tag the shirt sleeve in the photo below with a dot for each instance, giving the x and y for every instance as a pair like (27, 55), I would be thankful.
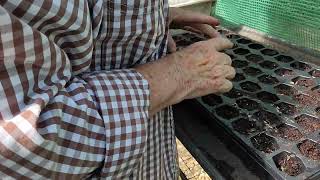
(122, 97)
(55, 120)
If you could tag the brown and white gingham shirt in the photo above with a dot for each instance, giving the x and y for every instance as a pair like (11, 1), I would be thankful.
(71, 106)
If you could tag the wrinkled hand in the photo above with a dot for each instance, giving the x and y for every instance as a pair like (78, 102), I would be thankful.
(192, 21)
(204, 69)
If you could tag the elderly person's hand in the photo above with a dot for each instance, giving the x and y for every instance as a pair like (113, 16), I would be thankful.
(195, 71)
(191, 21)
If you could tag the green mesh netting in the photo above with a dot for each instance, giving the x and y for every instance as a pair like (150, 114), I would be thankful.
(296, 21)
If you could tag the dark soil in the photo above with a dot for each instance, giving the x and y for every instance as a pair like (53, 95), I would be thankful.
(212, 100)
(227, 112)
(177, 38)
(301, 66)
(241, 51)
(255, 46)
(310, 149)
(264, 143)
(250, 86)
(308, 123)
(251, 71)
(248, 104)
(254, 58)
(189, 35)
(305, 82)
(269, 52)
(315, 73)
(245, 126)
(269, 65)
(284, 72)
(239, 64)
(285, 59)
(288, 132)
(234, 93)
(183, 43)
(305, 100)
(286, 108)
(238, 77)
(231, 56)
(233, 36)
(315, 92)
(196, 39)
(244, 41)
(318, 111)
(289, 163)
(267, 79)
(267, 118)
(222, 31)
(267, 97)
(286, 90)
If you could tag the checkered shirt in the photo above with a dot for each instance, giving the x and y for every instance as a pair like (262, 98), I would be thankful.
(71, 105)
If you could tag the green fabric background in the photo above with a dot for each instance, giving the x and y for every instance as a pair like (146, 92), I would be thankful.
(296, 21)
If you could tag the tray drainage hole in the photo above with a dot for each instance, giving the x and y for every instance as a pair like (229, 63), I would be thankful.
(318, 111)
(267, 97)
(212, 100)
(251, 71)
(248, 104)
(227, 112)
(269, 65)
(238, 77)
(285, 89)
(306, 100)
(255, 46)
(289, 163)
(269, 52)
(234, 93)
(196, 39)
(239, 63)
(284, 72)
(310, 149)
(177, 38)
(286, 108)
(241, 51)
(284, 59)
(222, 31)
(309, 123)
(287, 132)
(188, 34)
(301, 66)
(254, 58)
(231, 56)
(267, 118)
(267, 79)
(315, 73)
(244, 41)
(233, 36)
(264, 143)
(183, 43)
(304, 82)
(250, 86)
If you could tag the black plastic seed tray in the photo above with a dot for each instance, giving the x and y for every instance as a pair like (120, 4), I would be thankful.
(274, 108)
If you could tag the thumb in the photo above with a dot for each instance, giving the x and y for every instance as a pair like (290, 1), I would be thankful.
(171, 44)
